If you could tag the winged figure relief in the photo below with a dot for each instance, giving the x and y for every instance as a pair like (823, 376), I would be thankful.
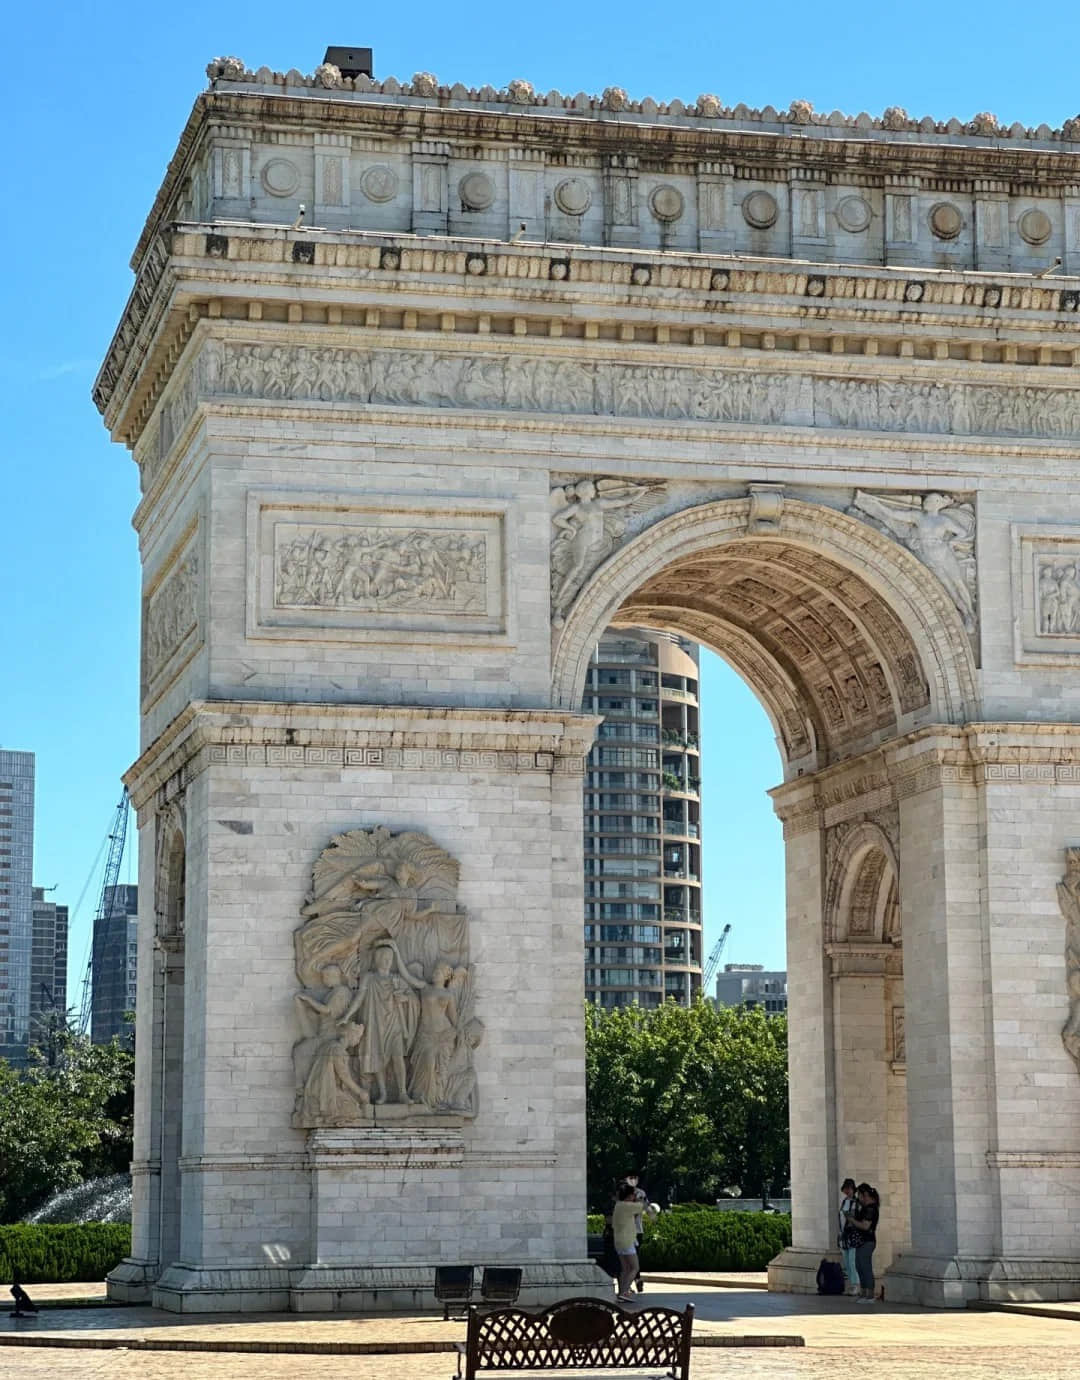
(937, 529)
(587, 519)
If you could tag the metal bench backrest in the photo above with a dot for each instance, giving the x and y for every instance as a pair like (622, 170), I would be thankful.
(500, 1284)
(579, 1334)
(453, 1287)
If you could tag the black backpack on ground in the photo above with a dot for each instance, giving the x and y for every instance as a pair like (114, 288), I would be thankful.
(830, 1278)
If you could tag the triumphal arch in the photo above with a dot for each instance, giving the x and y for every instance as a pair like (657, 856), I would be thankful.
(427, 386)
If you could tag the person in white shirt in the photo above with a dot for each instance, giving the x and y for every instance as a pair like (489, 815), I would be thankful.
(625, 1222)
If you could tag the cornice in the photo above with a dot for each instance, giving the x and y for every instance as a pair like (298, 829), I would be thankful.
(390, 737)
(968, 755)
(705, 129)
(451, 288)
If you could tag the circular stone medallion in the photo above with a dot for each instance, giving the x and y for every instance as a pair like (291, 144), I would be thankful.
(760, 210)
(379, 183)
(666, 203)
(1035, 226)
(945, 220)
(572, 197)
(280, 177)
(853, 214)
(477, 191)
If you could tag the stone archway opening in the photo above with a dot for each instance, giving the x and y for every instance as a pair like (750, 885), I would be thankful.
(848, 645)
(862, 921)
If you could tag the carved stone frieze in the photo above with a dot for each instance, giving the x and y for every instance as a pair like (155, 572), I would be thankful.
(172, 615)
(387, 1010)
(936, 528)
(1046, 592)
(430, 378)
(324, 567)
(588, 518)
(899, 1043)
(1068, 892)
(1058, 593)
(331, 571)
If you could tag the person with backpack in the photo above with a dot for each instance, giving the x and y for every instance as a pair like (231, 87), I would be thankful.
(847, 1236)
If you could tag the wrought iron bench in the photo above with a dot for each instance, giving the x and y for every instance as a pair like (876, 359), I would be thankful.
(578, 1334)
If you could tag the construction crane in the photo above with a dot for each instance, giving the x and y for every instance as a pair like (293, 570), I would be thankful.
(116, 839)
(713, 961)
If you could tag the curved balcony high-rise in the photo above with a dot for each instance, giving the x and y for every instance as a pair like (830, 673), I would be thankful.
(643, 935)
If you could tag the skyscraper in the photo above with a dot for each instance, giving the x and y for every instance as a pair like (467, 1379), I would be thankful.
(114, 961)
(48, 967)
(16, 900)
(643, 821)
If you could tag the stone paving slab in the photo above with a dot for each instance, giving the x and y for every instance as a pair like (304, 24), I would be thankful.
(703, 1279)
(1067, 1308)
(720, 1313)
(856, 1362)
(81, 1295)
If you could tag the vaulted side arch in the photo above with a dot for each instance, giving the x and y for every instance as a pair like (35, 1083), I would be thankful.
(848, 640)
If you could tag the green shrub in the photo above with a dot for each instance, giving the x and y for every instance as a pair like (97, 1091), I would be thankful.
(594, 1224)
(712, 1240)
(57, 1254)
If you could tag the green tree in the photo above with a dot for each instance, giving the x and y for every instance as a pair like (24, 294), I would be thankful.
(63, 1121)
(742, 1087)
(696, 1099)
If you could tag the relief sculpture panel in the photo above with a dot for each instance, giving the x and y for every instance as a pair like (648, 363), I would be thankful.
(1046, 593)
(326, 567)
(331, 571)
(172, 616)
(430, 378)
(936, 528)
(1069, 900)
(588, 518)
(386, 1010)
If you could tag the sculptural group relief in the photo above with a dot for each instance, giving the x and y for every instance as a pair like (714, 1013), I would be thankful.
(387, 1009)
(327, 567)
(429, 378)
(171, 614)
(1058, 593)
(1046, 592)
(1069, 900)
(338, 571)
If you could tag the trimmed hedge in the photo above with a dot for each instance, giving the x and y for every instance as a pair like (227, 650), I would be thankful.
(704, 1238)
(59, 1253)
(714, 1240)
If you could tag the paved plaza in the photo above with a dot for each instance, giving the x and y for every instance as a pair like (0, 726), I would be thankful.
(842, 1339)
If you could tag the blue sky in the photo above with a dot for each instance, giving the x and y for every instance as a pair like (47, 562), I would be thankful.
(97, 96)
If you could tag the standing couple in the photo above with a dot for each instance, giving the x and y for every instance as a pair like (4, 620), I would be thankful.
(859, 1210)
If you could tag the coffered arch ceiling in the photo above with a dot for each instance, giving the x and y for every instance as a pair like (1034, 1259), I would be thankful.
(834, 666)
(847, 639)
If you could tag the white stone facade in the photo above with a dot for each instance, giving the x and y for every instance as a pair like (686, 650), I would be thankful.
(854, 481)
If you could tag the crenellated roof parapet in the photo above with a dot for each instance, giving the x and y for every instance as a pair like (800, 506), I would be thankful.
(520, 94)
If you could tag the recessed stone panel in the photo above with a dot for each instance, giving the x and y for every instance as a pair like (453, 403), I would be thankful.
(1046, 593)
(335, 571)
(173, 616)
